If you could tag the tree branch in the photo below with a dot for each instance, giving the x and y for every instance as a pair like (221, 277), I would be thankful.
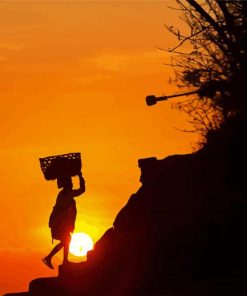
(188, 38)
(211, 21)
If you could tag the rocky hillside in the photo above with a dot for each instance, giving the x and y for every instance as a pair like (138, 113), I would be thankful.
(182, 233)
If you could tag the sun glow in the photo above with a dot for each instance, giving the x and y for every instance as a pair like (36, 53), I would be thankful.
(80, 244)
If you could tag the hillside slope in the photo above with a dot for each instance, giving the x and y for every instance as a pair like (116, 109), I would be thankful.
(181, 233)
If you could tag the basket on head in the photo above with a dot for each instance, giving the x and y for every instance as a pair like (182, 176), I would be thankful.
(54, 167)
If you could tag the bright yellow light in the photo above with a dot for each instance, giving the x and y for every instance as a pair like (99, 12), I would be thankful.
(80, 244)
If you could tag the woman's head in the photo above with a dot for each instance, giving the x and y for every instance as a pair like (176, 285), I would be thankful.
(65, 183)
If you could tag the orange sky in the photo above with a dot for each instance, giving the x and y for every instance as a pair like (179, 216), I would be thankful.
(73, 77)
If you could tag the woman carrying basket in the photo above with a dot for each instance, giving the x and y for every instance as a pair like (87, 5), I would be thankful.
(62, 218)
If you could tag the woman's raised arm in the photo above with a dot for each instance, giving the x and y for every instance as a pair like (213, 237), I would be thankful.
(82, 188)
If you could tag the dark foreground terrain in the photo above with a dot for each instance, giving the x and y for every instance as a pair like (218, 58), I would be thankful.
(182, 233)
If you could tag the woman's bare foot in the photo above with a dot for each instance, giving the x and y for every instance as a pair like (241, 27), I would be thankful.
(47, 261)
(65, 262)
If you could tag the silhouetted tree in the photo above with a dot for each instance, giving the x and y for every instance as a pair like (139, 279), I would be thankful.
(214, 62)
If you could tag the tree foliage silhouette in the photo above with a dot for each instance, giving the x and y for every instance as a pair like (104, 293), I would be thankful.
(214, 62)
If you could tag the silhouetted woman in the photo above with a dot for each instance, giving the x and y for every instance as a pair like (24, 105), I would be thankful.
(62, 219)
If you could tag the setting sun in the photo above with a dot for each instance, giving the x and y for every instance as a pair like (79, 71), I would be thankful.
(80, 244)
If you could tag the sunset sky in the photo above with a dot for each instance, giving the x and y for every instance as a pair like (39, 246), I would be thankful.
(73, 78)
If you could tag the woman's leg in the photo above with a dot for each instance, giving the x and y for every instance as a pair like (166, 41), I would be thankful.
(47, 259)
(54, 251)
(66, 243)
